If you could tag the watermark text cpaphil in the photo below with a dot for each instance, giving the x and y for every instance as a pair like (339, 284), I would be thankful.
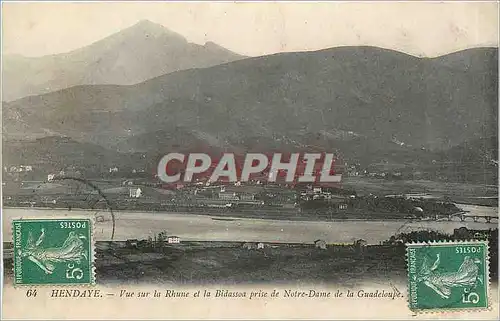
(289, 168)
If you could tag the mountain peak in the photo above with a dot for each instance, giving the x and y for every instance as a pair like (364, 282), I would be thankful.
(132, 55)
(148, 28)
(148, 24)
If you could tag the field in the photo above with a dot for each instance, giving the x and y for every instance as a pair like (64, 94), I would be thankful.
(229, 263)
(458, 192)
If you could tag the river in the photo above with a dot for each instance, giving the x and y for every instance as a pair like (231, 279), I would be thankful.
(478, 210)
(190, 227)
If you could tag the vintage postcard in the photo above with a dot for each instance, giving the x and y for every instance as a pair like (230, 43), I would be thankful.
(249, 160)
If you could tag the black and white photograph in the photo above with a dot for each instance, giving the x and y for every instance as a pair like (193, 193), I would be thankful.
(291, 145)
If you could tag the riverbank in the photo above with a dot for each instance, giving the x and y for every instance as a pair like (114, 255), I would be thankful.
(194, 227)
(238, 265)
(286, 215)
(231, 263)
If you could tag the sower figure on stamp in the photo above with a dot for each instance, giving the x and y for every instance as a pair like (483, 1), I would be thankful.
(442, 283)
(72, 250)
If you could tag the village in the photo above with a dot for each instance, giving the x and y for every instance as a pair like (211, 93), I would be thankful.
(256, 198)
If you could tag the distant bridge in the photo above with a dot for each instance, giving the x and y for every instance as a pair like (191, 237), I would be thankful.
(463, 216)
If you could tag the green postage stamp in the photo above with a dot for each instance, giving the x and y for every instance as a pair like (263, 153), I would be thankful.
(446, 276)
(53, 251)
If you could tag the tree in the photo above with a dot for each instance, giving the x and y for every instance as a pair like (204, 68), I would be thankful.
(161, 238)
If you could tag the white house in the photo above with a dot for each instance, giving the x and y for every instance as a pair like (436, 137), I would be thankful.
(113, 169)
(320, 244)
(228, 196)
(128, 182)
(317, 190)
(249, 245)
(173, 239)
(135, 192)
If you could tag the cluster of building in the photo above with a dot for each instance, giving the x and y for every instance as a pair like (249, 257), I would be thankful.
(18, 169)
(241, 194)
(318, 193)
(52, 176)
(135, 192)
(464, 233)
(235, 196)
(354, 170)
(116, 169)
(135, 243)
(360, 244)
(315, 193)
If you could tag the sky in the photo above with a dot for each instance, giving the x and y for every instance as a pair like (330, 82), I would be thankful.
(253, 29)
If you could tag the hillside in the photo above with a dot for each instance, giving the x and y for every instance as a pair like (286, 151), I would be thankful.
(140, 52)
(60, 153)
(475, 160)
(370, 104)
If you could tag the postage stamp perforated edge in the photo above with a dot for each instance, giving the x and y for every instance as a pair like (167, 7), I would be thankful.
(92, 252)
(457, 310)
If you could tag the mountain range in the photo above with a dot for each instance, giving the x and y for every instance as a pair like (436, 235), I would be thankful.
(135, 54)
(368, 103)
